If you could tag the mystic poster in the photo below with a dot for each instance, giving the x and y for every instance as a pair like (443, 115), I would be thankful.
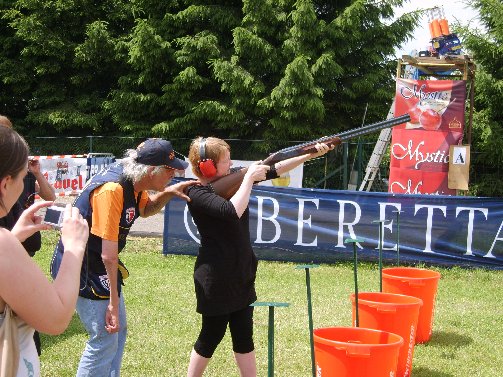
(419, 158)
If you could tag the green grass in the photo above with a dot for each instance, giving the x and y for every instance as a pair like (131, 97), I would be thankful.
(163, 325)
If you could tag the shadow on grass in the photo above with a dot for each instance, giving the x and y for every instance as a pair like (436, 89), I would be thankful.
(74, 328)
(446, 338)
(427, 372)
(442, 339)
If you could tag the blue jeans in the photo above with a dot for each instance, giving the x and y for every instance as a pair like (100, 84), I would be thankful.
(103, 353)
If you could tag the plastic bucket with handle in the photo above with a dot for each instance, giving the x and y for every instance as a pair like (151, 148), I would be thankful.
(394, 313)
(418, 282)
(355, 352)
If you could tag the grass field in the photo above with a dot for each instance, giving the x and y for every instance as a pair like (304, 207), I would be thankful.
(467, 338)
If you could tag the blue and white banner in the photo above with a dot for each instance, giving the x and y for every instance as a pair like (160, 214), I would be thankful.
(311, 225)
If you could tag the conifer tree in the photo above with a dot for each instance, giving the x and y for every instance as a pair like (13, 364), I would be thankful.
(266, 69)
(60, 59)
(170, 87)
(259, 68)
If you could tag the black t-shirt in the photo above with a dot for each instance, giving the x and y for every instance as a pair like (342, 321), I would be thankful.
(225, 269)
(33, 243)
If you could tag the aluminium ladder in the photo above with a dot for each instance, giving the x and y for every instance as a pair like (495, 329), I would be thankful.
(377, 154)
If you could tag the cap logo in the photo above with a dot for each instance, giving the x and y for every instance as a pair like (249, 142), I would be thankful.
(171, 155)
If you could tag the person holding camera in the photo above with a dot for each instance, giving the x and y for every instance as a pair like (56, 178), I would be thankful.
(28, 300)
(111, 202)
(226, 265)
(34, 183)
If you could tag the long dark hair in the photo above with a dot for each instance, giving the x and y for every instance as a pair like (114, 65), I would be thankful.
(13, 154)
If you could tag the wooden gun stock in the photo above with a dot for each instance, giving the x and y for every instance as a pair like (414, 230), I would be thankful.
(227, 186)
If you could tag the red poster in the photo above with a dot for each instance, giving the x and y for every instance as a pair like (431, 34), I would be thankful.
(433, 105)
(408, 181)
(422, 150)
(419, 160)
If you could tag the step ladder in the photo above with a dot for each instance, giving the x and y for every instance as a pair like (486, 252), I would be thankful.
(378, 153)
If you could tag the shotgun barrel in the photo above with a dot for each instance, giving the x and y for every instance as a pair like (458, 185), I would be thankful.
(336, 139)
(227, 186)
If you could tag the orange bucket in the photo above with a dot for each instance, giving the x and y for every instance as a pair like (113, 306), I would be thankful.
(416, 282)
(394, 313)
(355, 352)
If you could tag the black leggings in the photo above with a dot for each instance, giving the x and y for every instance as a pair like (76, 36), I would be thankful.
(213, 330)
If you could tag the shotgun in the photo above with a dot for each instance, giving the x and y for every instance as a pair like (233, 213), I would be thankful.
(227, 186)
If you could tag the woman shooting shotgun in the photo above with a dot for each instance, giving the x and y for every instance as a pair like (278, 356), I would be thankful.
(227, 185)
(225, 268)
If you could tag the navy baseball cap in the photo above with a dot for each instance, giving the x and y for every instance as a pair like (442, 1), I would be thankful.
(159, 152)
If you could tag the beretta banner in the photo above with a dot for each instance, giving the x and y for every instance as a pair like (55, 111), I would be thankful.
(310, 225)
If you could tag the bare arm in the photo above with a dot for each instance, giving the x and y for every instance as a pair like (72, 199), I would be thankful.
(44, 189)
(29, 222)
(46, 306)
(157, 201)
(256, 172)
(110, 256)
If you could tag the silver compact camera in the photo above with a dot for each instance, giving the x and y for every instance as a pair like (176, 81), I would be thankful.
(54, 216)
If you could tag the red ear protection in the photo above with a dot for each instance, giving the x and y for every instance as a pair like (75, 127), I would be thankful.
(206, 165)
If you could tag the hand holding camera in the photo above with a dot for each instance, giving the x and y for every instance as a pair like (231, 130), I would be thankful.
(34, 166)
(74, 231)
(74, 228)
(29, 222)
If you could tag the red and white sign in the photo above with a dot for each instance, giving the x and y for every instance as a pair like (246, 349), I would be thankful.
(66, 174)
(420, 150)
(408, 181)
(433, 105)
(419, 160)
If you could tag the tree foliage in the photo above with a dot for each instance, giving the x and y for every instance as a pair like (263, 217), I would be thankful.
(265, 69)
(487, 140)
(59, 61)
(271, 69)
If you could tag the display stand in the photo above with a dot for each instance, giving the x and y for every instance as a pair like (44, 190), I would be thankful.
(450, 67)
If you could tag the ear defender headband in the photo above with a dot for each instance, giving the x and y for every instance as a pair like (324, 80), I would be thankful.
(206, 165)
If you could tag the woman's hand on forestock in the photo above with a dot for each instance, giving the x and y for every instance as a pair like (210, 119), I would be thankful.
(29, 222)
(321, 149)
(257, 171)
(74, 230)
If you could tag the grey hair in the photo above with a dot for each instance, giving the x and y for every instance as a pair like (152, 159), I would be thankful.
(134, 170)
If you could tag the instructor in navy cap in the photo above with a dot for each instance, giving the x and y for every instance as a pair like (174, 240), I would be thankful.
(111, 202)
